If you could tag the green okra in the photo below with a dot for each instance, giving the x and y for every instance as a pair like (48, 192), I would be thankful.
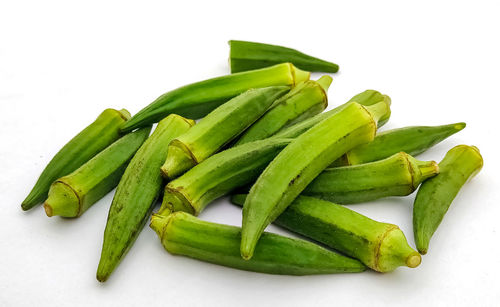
(304, 101)
(81, 148)
(218, 128)
(301, 161)
(137, 193)
(413, 140)
(183, 234)
(435, 195)
(398, 175)
(380, 246)
(198, 99)
(249, 55)
(73, 194)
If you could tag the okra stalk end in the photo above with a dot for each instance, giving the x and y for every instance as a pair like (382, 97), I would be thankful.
(427, 169)
(380, 111)
(179, 160)
(173, 201)
(325, 82)
(299, 75)
(62, 201)
(394, 252)
(158, 223)
(125, 114)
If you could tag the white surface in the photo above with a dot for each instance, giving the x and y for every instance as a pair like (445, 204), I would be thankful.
(62, 63)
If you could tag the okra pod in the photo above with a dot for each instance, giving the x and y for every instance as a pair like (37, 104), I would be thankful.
(435, 195)
(398, 175)
(218, 128)
(249, 55)
(137, 193)
(294, 167)
(380, 246)
(304, 101)
(198, 99)
(73, 194)
(183, 234)
(86, 144)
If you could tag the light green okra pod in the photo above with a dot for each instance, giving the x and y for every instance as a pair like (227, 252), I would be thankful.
(183, 234)
(218, 128)
(86, 144)
(137, 193)
(73, 194)
(198, 99)
(380, 246)
(435, 195)
(294, 167)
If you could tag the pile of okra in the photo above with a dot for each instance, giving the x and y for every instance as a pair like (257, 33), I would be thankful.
(262, 138)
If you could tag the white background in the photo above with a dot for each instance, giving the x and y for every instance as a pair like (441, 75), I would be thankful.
(62, 63)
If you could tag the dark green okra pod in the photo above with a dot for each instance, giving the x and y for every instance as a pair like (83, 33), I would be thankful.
(86, 144)
(380, 246)
(398, 175)
(137, 193)
(218, 128)
(183, 234)
(73, 194)
(249, 55)
(300, 162)
(198, 99)
(435, 195)
(304, 101)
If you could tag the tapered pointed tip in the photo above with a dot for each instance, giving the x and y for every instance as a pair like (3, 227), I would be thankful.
(459, 126)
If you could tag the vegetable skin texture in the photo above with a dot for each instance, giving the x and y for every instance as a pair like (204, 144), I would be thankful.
(81, 148)
(183, 234)
(137, 193)
(435, 195)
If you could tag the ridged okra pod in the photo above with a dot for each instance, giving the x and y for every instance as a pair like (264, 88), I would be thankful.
(86, 144)
(435, 195)
(304, 101)
(137, 193)
(198, 99)
(73, 194)
(300, 162)
(249, 55)
(218, 128)
(413, 140)
(398, 175)
(183, 234)
(380, 246)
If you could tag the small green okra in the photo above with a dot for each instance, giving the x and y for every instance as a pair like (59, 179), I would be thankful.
(73, 194)
(304, 101)
(249, 55)
(198, 99)
(398, 175)
(218, 128)
(137, 193)
(81, 148)
(300, 162)
(183, 234)
(380, 246)
(435, 195)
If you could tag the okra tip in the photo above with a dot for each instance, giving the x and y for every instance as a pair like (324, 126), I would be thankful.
(62, 201)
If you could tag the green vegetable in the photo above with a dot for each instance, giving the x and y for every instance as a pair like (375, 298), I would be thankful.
(183, 234)
(436, 194)
(86, 144)
(398, 175)
(137, 193)
(380, 246)
(301, 161)
(248, 55)
(198, 99)
(73, 194)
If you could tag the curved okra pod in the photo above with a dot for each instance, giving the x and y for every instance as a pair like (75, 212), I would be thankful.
(183, 234)
(198, 99)
(249, 55)
(86, 144)
(218, 128)
(436, 194)
(137, 193)
(380, 246)
(304, 101)
(73, 194)
(398, 175)
(294, 168)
